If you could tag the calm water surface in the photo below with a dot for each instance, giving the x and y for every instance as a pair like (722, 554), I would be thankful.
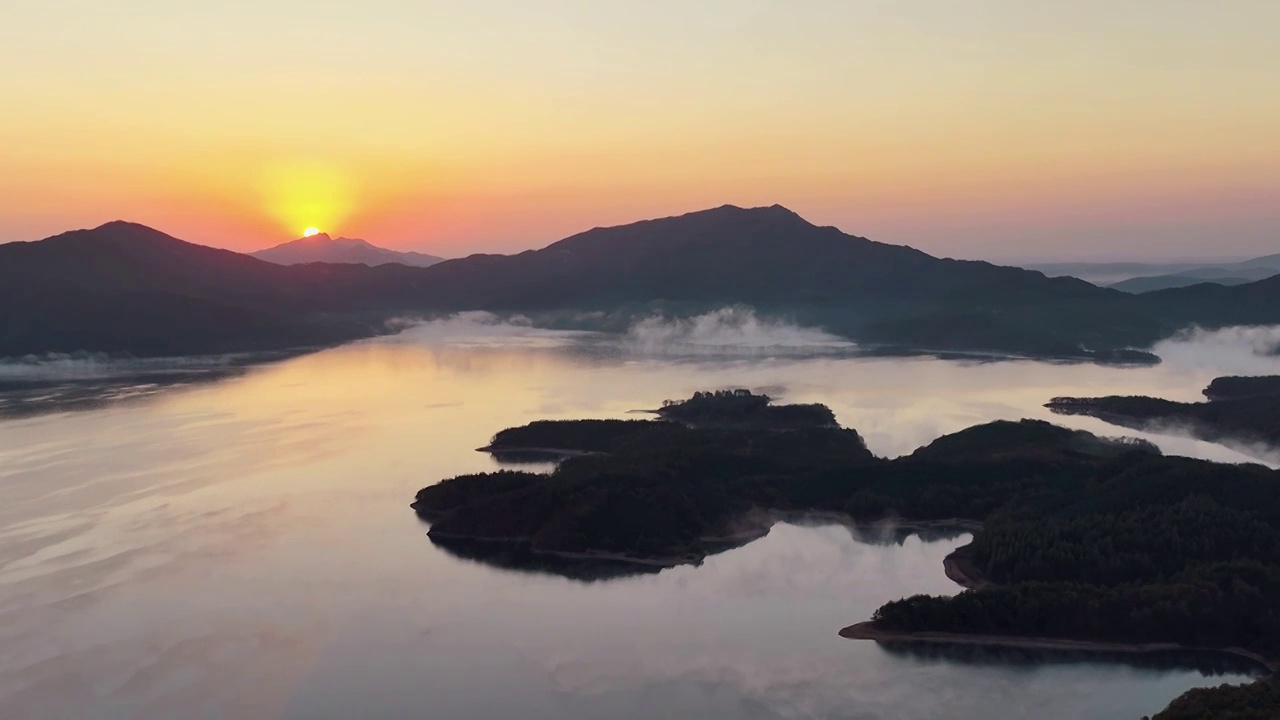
(243, 547)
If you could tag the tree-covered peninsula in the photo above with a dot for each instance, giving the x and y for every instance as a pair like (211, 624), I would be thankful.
(1238, 409)
(1083, 540)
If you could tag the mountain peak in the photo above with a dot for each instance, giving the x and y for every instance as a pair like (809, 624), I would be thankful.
(118, 228)
(117, 231)
(124, 225)
(321, 247)
(774, 210)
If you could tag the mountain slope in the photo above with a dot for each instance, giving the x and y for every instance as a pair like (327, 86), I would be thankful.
(322, 248)
(1233, 274)
(1141, 285)
(126, 288)
(1145, 277)
(129, 289)
(1213, 306)
(729, 254)
(1108, 273)
(773, 259)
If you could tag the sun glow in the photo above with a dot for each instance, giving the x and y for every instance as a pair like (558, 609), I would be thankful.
(309, 195)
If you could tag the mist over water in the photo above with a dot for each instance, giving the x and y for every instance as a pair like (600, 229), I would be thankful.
(475, 329)
(88, 366)
(731, 330)
(244, 547)
(1230, 351)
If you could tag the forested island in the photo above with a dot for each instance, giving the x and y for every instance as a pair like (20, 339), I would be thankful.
(743, 408)
(1084, 540)
(1241, 409)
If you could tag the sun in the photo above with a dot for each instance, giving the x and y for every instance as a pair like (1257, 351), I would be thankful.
(310, 231)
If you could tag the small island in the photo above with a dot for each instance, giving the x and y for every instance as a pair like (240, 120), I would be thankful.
(1239, 409)
(745, 409)
(1080, 541)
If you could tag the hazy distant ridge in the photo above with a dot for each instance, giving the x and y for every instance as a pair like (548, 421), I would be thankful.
(1147, 277)
(322, 248)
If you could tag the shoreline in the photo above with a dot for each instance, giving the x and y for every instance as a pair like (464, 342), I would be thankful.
(668, 561)
(959, 568)
(867, 630)
(1240, 440)
(713, 543)
(842, 518)
(551, 452)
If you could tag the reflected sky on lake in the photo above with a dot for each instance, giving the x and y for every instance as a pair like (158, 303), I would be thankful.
(243, 548)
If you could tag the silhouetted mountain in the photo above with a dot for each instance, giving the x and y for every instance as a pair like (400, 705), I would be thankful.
(1232, 274)
(126, 288)
(322, 248)
(1209, 305)
(1108, 273)
(1165, 282)
(1266, 261)
(728, 254)
(776, 261)
(1145, 277)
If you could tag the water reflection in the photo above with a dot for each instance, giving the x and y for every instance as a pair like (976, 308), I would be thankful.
(1207, 664)
(72, 383)
(516, 557)
(243, 548)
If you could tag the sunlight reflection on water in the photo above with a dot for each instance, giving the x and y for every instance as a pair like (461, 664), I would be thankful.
(243, 548)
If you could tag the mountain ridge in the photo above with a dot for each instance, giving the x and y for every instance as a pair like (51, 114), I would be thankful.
(323, 248)
(1137, 278)
(769, 258)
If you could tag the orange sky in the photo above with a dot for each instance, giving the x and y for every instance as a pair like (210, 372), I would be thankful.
(981, 129)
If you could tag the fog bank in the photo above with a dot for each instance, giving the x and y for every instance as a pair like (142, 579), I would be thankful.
(729, 330)
(1244, 350)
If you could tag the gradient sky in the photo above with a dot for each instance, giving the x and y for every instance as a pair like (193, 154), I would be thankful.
(998, 129)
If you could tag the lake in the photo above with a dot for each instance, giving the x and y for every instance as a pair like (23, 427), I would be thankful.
(236, 541)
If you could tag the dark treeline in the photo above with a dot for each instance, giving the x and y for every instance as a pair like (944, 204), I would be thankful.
(1259, 701)
(579, 435)
(747, 409)
(722, 409)
(1232, 387)
(663, 490)
(1147, 550)
(1084, 537)
(1239, 408)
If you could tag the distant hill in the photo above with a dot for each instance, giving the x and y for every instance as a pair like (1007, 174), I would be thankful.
(1142, 277)
(729, 254)
(776, 261)
(1211, 305)
(1165, 282)
(126, 288)
(1110, 273)
(322, 248)
(1266, 261)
